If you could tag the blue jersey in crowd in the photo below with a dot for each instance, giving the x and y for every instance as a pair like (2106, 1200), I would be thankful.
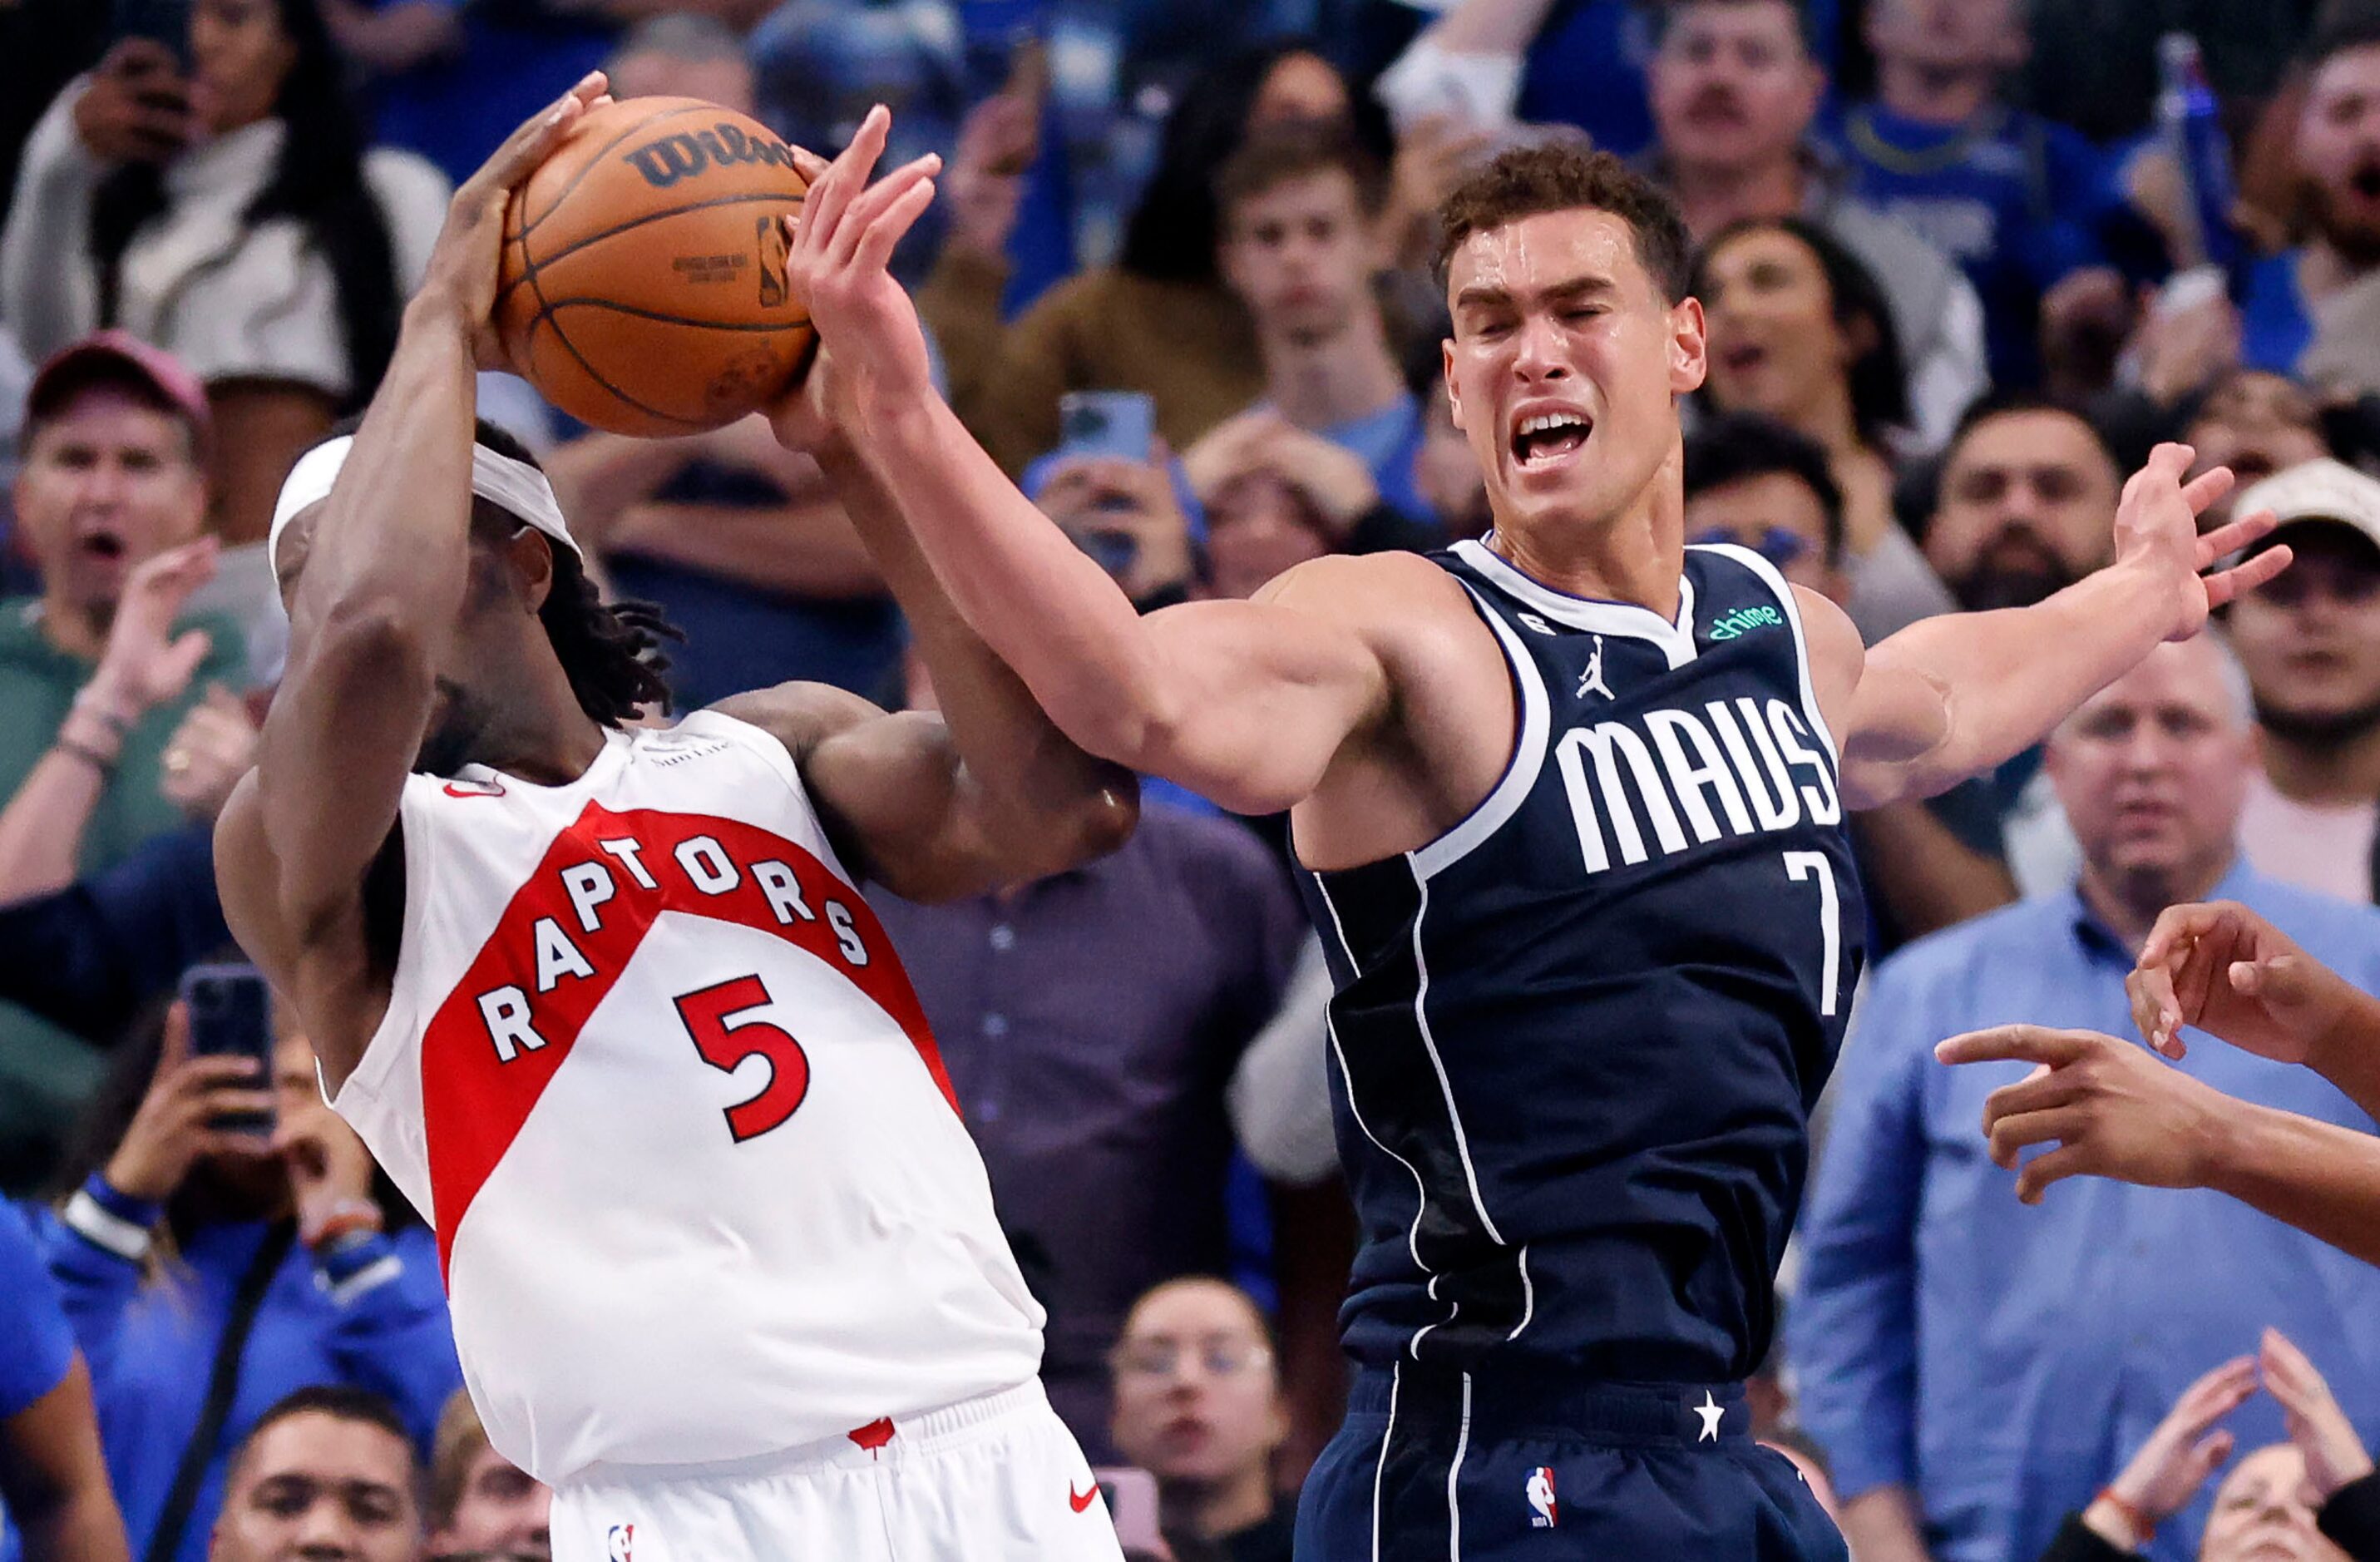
(2014, 199)
(2276, 327)
(36, 1346)
(1576, 1040)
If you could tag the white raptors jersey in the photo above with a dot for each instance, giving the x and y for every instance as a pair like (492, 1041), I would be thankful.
(654, 1073)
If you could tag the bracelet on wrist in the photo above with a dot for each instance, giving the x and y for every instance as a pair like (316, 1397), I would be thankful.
(92, 703)
(103, 762)
(2142, 1527)
(341, 1220)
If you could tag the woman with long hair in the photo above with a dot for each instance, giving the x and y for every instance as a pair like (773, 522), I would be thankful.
(222, 202)
(1799, 330)
(1160, 320)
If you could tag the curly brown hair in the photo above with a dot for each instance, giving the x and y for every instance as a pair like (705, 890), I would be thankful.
(1528, 180)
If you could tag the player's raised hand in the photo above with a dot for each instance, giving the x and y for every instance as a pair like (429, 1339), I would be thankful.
(2109, 1107)
(2157, 530)
(871, 349)
(463, 263)
(2226, 971)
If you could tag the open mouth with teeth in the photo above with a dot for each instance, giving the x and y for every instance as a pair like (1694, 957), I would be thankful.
(1549, 436)
(104, 546)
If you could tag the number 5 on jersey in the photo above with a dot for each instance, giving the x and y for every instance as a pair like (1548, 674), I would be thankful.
(724, 1040)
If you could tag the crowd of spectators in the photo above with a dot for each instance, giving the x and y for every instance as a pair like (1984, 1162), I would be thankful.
(1962, 263)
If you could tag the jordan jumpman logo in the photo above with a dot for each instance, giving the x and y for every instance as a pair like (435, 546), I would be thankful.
(1592, 680)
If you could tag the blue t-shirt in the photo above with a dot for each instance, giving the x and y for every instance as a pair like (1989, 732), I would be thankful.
(36, 1344)
(2016, 199)
(2276, 327)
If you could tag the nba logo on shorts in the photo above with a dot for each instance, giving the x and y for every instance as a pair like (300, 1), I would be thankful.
(616, 1544)
(1542, 1511)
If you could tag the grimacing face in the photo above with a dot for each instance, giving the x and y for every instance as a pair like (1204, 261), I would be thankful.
(1565, 366)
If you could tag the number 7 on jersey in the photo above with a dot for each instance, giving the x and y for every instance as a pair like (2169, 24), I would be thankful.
(1800, 865)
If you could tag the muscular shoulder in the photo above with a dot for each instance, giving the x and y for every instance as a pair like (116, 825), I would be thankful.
(800, 715)
(1380, 595)
(1837, 654)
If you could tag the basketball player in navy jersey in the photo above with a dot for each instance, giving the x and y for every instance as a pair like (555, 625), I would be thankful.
(1571, 799)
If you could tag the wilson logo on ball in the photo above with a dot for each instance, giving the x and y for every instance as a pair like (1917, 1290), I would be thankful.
(681, 156)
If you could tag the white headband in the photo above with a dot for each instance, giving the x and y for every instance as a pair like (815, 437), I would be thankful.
(514, 487)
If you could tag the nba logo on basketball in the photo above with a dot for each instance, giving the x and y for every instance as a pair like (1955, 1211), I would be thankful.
(1542, 1511)
(616, 1544)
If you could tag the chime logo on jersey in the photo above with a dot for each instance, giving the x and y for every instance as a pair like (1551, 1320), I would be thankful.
(616, 1544)
(1660, 782)
(1543, 1512)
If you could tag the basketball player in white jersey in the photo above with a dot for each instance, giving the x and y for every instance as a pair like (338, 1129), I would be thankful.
(609, 1005)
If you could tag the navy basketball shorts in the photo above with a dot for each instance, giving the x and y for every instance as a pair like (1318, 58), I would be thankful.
(1440, 1466)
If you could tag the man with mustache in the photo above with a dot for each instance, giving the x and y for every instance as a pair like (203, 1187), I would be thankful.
(2022, 510)
(1734, 86)
(2314, 311)
(1976, 1367)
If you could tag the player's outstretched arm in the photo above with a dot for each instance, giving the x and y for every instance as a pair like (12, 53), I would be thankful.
(2112, 1108)
(1953, 696)
(384, 572)
(1245, 702)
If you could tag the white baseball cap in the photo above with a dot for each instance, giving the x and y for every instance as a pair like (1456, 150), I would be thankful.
(2319, 489)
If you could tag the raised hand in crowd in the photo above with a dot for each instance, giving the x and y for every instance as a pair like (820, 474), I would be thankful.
(174, 1127)
(1333, 477)
(2334, 1453)
(145, 664)
(2220, 967)
(208, 752)
(998, 141)
(137, 108)
(2186, 1448)
(1125, 515)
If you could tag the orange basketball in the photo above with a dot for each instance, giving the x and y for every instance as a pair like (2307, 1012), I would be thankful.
(643, 285)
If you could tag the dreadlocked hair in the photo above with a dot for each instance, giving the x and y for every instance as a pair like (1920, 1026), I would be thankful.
(610, 651)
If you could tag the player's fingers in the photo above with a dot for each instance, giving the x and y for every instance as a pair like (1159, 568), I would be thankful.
(2206, 489)
(527, 147)
(2051, 1166)
(2026, 1043)
(2044, 1088)
(2231, 584)
(2179, 925)
(2022, 1131)
(845, 177)
(808, 163)
(876, 205)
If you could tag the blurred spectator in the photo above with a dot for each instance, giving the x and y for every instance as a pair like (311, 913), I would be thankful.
(1298, 202)
(482, 1506)
(2024, 506)
(99, 672)
(2256, 423)
(236, 218)
(1445, 470)
(1199, 1405)
(2312, 1499)
(2314, 311)
(2012, 196)
(1160, 320)
(92, 957)
(2311, 642)
(1799, 330)
(209, 1271)
(43, 45)
(327, 1472)
(1091, 1023)
(1735, 89)
(1757, 483)
(2093, 65)
(1972, 1366)
(54, 1501)
(684, 54)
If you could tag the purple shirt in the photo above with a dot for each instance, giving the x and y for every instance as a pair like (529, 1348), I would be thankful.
(1089, 1023)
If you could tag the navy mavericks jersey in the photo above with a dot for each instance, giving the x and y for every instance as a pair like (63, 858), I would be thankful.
(1576, 1040)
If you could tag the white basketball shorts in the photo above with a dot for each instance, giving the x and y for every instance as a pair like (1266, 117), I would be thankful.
(998, 1479)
